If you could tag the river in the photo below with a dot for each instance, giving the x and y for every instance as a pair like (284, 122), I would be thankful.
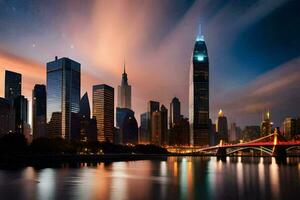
(173, 178)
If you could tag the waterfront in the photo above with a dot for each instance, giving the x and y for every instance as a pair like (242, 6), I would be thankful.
(171, 178)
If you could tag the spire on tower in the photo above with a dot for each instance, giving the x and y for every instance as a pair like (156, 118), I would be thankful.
(124, 67)
(200, 36)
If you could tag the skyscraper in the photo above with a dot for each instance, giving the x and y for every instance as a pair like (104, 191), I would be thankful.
(13, 84)
(199, 94)
(127, 125)
(124, 92)
(266, 124)
(156, 128)
(85, 110)
(222, 127)
(164, 125)
(232, 133)
(21, 113)
(153, 106)
(88, 126)
(63, 96)
(174, 111)
(7, 117)
(144, 129)
(103, 111)
(39, 111)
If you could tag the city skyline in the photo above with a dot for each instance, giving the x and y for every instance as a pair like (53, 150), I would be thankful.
(277, 75)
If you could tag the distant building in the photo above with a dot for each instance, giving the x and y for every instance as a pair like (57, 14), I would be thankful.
(39, 111)
(266, 124)
(21, 113)
(63, 96)
(145, 134)
(212, 134)
(250, 133)
(199, 95)
(291, 128)
(84, 105)
(124, 92)
(156, 128)
(153, 106)
(88, 126)
(164, 125)
(174, 111)
(180, 133)
(103, 111)
(233, 133)
(13, 84)
(222, 127)
(7, 117)
(127, 125)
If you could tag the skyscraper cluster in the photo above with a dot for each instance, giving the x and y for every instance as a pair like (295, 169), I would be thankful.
(59, 110)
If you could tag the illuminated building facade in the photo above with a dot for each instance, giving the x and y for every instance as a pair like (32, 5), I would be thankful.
(222, 127)
(164, 125)
(291, 128)
(266, 124)
(63, 96)
(103, 111)
(199, 95)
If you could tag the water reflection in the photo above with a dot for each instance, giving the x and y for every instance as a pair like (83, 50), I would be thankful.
(175, 178)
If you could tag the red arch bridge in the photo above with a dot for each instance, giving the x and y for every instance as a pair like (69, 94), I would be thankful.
(272, 145)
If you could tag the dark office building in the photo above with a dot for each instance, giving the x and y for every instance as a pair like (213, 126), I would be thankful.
(7, 117)
(199, 94)
(127, 125)
(88, 126)
(164, 125)
(144, 136)
(222, 128)
(21, 113)
(63, 96)
(153, 106)
(180, 133)
(39, 111)
(85, 109)
(174, 111)
(13, 84)
(103, 111)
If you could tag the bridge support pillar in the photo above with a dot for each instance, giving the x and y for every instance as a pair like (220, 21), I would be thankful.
(221, 152)
(279, 152)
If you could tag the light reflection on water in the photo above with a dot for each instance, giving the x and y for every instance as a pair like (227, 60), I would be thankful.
(174, 178)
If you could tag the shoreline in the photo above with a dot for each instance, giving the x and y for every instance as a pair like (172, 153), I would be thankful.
(53, 160)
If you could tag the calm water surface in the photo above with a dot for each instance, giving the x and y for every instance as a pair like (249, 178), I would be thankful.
(174, 178)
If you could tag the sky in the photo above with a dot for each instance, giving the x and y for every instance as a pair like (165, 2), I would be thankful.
(253, 47)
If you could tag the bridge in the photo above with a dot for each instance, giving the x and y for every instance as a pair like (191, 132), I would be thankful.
(271, 145)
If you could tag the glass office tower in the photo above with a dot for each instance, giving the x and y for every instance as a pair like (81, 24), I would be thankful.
(39, 111)
(63, 97)
(13, 84)
(199, 94)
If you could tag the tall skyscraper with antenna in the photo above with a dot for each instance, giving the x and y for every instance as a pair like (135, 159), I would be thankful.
(124, 92)
(199, 94)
